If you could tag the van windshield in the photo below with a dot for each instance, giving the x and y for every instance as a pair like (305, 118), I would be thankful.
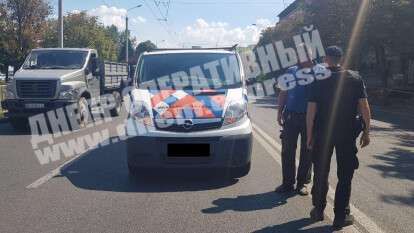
(56, 59)
(189, 71)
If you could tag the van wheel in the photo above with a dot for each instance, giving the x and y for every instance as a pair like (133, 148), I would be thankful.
(83, 112)
(19, 124)
(238, 172)
(118, 100)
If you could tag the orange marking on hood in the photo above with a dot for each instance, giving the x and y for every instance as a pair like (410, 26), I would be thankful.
(161, 96)
(219, 100)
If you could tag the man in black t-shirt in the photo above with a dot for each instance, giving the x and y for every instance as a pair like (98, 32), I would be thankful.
(333, 106)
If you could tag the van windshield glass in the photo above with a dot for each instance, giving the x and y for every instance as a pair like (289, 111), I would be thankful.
(190, 71)
(56, 59)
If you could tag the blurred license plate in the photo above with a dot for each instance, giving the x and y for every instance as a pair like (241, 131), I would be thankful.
(188, 150)
(34, 106)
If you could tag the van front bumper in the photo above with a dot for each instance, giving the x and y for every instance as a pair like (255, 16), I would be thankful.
(225, 152)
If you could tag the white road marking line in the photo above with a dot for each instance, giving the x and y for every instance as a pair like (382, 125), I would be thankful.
(362, 219)
(57, 171)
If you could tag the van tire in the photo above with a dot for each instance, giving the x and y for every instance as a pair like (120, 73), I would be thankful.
(118, 100)
(238, 172)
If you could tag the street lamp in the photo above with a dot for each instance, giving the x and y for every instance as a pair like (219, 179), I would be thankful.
(126, 32)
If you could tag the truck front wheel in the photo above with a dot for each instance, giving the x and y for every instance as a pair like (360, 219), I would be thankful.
(117, 109)
(83, 112)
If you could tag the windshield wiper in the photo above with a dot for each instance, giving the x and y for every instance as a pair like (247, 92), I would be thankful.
(32, 67)
(54, 67)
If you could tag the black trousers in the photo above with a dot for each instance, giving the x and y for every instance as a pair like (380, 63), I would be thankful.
(347, 163)
(295, 125)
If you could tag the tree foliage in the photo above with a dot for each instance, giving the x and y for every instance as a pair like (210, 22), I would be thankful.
(144, 47)
(387, 29)
(26, 24)
(131, 50)
(84, 31)
(22, 24)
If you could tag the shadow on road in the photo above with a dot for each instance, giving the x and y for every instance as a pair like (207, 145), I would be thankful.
(253, 202)
(399, 164)
(7, 130)
(105, 169)
(296, 226)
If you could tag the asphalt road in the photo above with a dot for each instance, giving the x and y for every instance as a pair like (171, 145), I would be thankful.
(92, 192)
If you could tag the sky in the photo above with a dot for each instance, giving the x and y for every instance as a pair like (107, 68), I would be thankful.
(185, 23)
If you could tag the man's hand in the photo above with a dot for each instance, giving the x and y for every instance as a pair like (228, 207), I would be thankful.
(365, 140)
(280, 118)
(281, 103)
(365, 110)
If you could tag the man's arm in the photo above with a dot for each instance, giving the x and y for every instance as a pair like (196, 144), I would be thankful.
(365, 111)
(281, 102)
(310, 121)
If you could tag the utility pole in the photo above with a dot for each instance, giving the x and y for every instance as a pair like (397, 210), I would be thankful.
(60, 24)
(127, 40)
(127, 33)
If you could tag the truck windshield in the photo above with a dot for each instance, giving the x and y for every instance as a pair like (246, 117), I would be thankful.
(190, 71)
(56, 59)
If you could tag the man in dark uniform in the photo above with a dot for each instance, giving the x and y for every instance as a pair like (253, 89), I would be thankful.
(332, 123)
(292, 116)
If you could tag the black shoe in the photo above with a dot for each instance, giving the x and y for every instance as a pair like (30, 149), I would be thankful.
(284, 189)
(341, 222)
(317, 215)
(302, 190)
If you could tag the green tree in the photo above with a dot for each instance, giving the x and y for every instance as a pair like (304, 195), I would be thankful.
(84, 31)
(144, 47)
(389, 32)
(131, 50)
(22, 23)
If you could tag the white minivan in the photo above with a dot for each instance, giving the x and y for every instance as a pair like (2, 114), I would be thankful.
(189, 110)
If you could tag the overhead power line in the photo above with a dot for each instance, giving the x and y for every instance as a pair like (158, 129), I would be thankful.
(172, 35)
(184, 2)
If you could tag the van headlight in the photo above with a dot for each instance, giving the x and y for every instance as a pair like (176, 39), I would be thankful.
(235, 112)
(141, 113)
(68, 92)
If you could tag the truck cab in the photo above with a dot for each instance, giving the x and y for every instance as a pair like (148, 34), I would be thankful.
(52, 78)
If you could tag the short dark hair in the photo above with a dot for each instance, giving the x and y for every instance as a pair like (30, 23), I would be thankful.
(335, 53)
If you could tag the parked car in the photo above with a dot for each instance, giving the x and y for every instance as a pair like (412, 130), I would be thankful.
(199, 125)
(52, 78)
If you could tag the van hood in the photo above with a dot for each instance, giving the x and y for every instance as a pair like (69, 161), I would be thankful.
(47, 74)
(188, 104)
